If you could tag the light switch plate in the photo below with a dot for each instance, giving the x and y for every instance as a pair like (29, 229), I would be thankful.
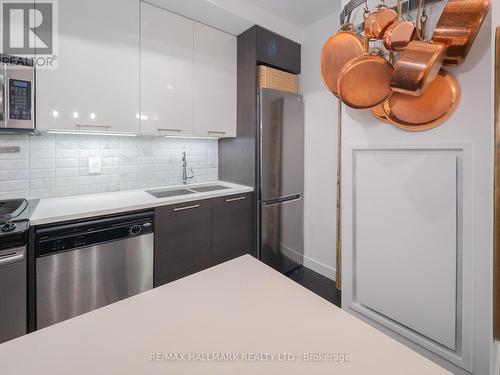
(95, 165)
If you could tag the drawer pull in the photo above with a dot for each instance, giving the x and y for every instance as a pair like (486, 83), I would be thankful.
(170, 130)
(186, 208)
(215, 132)
(93, 126)
(236, 199)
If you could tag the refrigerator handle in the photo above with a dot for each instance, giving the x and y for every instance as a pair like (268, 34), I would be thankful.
(276, 201)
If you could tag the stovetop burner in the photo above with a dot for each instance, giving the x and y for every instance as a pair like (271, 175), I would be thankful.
(8, 227)
(14, 216)
(12, 208)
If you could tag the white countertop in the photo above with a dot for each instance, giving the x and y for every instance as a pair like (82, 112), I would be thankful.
(53, 210)
(241, 307)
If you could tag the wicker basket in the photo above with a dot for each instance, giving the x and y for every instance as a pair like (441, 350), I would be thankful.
(275, 79)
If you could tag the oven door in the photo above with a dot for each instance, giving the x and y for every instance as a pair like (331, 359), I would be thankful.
(18, 102)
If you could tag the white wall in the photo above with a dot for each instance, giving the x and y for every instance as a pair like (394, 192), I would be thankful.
(231, 16)
(320, 152)
(472, 126)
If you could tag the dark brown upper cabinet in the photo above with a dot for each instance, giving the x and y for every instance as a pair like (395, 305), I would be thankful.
(277, 51)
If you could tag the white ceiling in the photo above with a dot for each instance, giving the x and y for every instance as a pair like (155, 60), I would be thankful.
(286, 17)
(301, 13)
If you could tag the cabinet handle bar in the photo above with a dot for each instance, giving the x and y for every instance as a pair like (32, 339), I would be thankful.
(169, 130)
(186, 208)
(93, 126)
(236, 199)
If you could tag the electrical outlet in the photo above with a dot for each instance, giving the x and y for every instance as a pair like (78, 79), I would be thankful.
(95, 165)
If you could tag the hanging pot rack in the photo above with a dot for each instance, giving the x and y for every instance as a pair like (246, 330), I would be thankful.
(345, 16)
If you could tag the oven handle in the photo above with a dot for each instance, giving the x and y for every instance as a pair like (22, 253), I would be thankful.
(3, 100)
(16, 256)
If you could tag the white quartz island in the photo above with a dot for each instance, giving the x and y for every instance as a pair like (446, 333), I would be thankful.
(240, 317)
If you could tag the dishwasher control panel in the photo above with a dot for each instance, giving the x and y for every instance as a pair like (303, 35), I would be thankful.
(66, 237)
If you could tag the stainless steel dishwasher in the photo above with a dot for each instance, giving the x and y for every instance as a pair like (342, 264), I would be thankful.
(86, 265)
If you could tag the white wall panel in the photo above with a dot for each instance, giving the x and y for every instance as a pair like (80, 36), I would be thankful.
(405, 223)
(411, 269)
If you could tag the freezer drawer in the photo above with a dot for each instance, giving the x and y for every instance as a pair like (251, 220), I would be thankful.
(78, 281)
(12, 293)
(281, 233)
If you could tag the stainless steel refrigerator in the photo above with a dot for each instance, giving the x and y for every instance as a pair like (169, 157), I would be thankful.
(280, 179)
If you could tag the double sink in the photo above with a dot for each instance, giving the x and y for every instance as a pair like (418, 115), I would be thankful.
(166, 193)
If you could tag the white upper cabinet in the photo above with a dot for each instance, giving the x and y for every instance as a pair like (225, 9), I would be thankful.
(96, 84)
(166, 72)
(214, 82)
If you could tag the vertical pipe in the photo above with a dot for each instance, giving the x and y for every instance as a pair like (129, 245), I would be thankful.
(496, 200)
(339, 199)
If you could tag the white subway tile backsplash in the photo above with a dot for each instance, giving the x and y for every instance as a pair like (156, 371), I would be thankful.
(57, 164)
(10, 175)
(14, 165)
(13, 185)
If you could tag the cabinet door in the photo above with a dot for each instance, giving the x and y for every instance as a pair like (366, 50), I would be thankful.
(166, 72)
(215, 82)
(96, 83)
(232, 227)
(182, 240)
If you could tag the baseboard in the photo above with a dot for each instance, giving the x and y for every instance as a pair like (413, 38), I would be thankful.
(291, 253)
(310, 263)
(320, 268)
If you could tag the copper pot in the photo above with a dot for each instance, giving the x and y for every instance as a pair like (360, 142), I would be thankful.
(365, 82)
(431, 109)
(458, 26)
(338, 50)
(378, 21)
(399, 34)
(417, 66)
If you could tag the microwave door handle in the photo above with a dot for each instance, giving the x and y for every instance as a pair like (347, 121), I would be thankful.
(2, 95)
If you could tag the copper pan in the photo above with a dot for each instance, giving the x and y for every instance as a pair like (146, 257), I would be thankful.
(458, 26)
(338, 50)
(433, 108)
(379, 113)
(399, 33)
(365, 81)
(378, 21)
(417, 66)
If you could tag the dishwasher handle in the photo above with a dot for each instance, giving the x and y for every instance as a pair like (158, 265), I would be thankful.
(12, 256)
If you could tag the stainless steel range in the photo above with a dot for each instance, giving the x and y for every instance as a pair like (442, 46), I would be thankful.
(14, 225)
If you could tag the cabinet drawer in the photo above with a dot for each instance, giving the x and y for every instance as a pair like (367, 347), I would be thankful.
(182, 240)
(232, 227)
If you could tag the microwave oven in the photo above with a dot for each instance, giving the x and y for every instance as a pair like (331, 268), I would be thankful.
(17, 94)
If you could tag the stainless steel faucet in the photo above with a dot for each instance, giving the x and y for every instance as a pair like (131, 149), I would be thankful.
(185, 176)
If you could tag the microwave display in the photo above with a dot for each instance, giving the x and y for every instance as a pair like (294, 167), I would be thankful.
(20, 100)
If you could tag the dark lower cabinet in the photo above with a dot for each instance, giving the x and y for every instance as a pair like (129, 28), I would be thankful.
(193, 236)
(232, 227)
(182, 240)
